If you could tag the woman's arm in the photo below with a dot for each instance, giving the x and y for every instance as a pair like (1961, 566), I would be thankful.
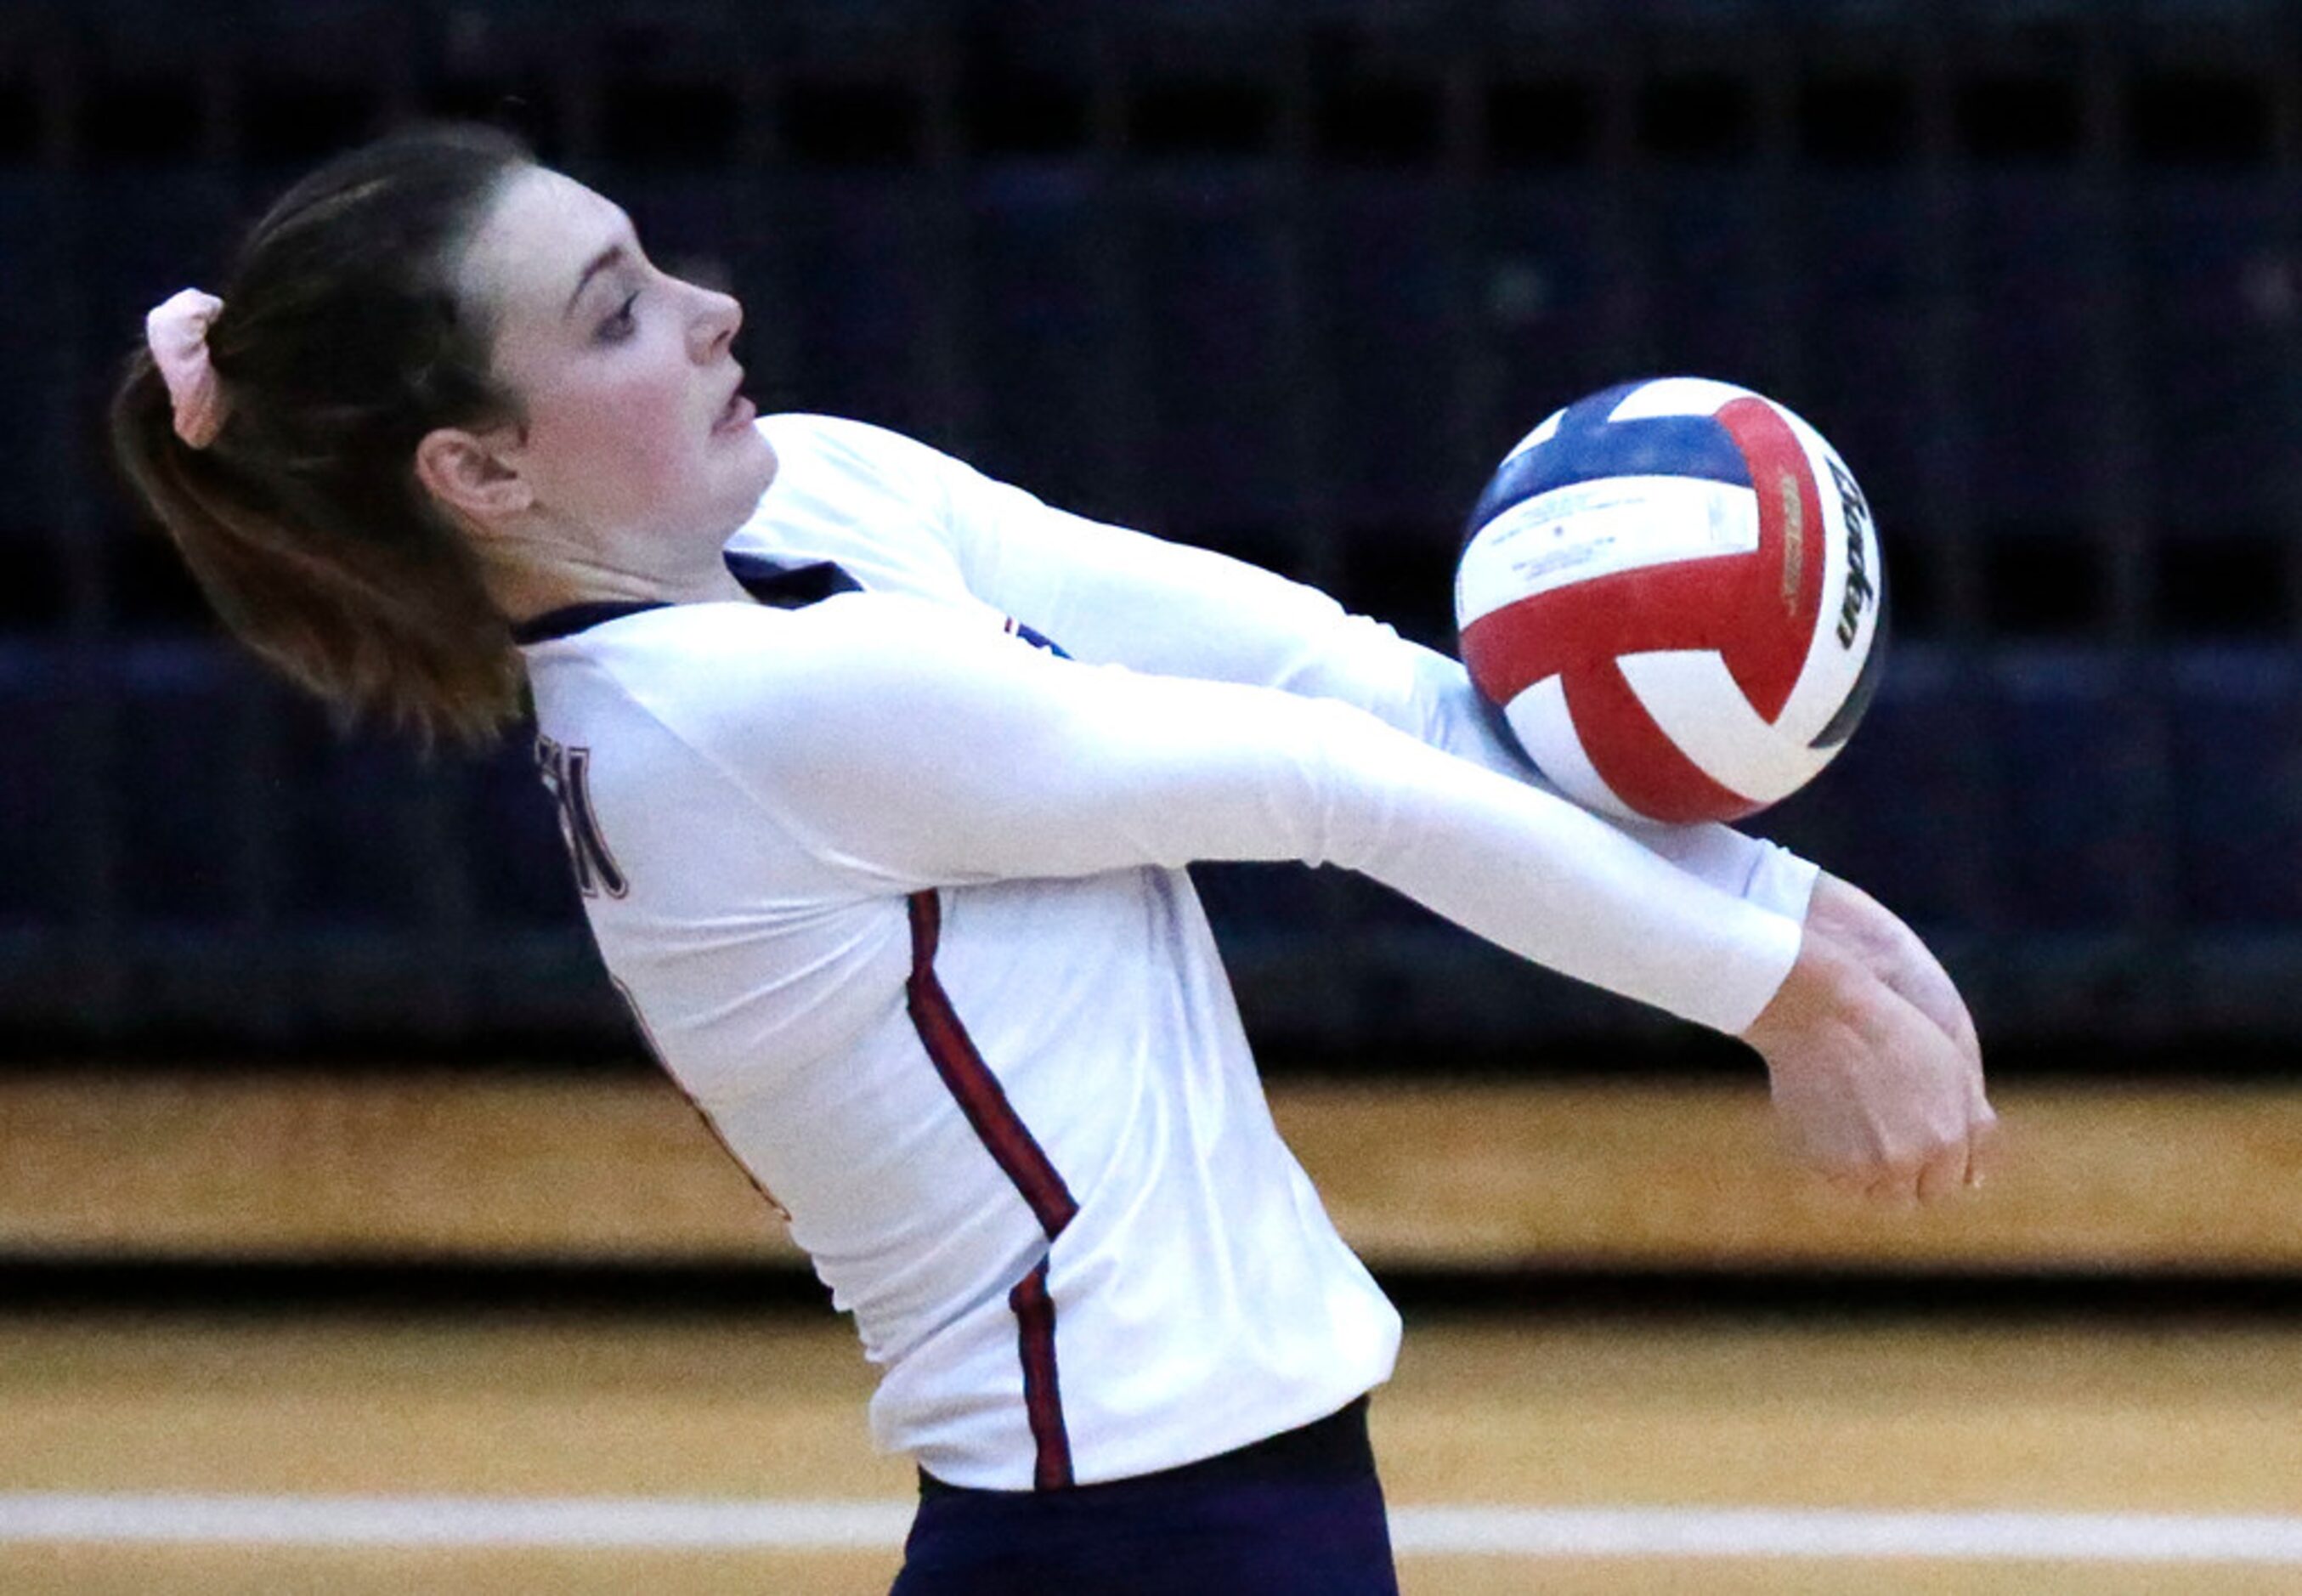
(916, 747)
(925, 747)
(1108, 594)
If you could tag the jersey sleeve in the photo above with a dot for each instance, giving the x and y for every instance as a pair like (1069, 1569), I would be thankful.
(915, 747)
(1111, 595)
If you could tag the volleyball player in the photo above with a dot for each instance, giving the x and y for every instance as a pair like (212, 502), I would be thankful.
(879, 778)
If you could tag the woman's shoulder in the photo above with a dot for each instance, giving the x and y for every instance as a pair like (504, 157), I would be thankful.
(708, 670)
(742, 684)
(736, 642)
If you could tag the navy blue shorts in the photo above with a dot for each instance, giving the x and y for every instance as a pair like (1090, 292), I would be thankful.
(1298, 1515)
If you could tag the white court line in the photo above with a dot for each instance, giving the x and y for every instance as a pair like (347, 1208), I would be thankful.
(1833, 1532)
(656, 1523)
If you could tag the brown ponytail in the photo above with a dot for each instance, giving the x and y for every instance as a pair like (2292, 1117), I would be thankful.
(341, 342)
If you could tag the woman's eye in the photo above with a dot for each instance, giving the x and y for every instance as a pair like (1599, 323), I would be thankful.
(620, 324)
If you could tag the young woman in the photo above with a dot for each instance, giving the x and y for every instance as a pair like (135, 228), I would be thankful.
(878, 777)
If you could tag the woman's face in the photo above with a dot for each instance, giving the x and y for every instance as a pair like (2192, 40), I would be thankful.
(634, 426)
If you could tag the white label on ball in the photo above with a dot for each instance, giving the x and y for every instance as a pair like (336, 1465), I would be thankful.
(1599, 528)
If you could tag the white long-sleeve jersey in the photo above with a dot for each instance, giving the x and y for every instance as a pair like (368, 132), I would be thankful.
(897, 896)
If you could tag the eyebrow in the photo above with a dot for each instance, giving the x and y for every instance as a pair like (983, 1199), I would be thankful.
(607, 257)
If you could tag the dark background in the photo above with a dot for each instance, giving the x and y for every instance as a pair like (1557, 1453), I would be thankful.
(1284, 280)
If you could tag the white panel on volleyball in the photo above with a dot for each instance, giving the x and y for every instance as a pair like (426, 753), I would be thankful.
(1678, 396)
(1703, 710)
(1544, 433)
(1828, 672)
(1540, 717)
(1599, 528)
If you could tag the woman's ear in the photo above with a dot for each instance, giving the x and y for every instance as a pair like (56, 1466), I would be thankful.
(470, 478)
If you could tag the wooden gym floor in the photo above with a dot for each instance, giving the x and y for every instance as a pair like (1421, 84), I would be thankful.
(2021, 1418)
(1688, 1416)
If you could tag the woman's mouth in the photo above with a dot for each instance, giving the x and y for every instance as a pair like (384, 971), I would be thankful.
(738, 414)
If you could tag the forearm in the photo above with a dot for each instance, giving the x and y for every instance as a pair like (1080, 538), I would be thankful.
(1430, 696)
(1108, 594)
(1556, 884)
(1176, 771)
(1099, 768)
(920, 748)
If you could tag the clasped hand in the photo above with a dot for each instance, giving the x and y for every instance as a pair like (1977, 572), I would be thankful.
(1875, 1069)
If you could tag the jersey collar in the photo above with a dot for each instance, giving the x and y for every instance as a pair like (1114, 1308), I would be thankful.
(571, 618)
(789, 586)
(768, 581)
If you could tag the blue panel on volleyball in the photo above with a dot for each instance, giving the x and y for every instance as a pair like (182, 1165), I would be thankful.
(1590, 447)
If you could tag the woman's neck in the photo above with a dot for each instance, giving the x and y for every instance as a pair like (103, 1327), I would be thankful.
(533, 576)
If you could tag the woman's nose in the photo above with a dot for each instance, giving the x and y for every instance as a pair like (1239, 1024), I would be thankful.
(714, 329)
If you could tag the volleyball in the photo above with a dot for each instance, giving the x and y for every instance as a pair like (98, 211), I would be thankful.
(1672, 592)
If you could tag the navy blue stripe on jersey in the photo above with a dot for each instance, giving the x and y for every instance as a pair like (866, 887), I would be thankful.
(1043, 1401)
(1587, 447)
(571, 618)
(789, 586)
(1036, 638)
(768, 581)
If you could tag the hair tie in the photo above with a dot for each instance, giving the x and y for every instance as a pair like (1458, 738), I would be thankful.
(178, 334)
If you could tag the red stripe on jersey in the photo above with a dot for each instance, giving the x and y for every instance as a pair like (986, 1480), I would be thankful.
(1023, 1161)
(977, 1091)
(1043, 1401)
